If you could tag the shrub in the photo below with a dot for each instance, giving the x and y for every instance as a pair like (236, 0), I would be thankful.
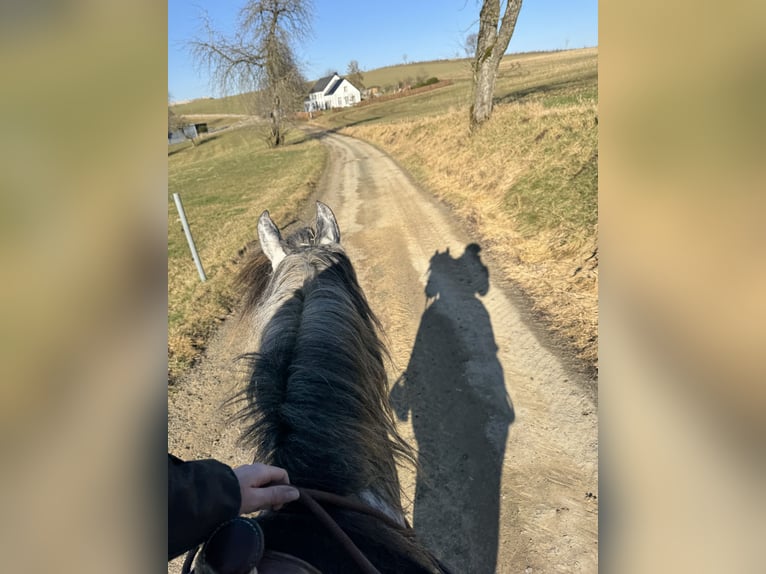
(428, 82)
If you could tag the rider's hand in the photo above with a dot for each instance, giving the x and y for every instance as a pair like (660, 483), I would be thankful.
(253, 479)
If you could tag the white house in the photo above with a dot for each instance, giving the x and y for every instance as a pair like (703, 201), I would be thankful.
(332, 92)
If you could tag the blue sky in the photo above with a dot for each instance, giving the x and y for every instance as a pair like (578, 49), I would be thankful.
(381, 33)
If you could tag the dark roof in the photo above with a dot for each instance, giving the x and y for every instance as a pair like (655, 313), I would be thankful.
(322, 84)
(334, 87)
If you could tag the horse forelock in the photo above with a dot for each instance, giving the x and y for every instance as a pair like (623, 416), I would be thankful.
(317, 400)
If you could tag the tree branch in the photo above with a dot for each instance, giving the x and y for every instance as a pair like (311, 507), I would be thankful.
(512, 9)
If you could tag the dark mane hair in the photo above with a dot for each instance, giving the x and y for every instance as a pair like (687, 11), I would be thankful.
(316, 400)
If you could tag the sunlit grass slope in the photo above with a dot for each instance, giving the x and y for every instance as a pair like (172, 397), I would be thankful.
(225, 182)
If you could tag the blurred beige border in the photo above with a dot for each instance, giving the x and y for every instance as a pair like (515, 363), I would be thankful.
(682, 313)
(83, 239)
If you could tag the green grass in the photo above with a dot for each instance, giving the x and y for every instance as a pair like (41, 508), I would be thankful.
(442, 69)
(225, 182)
(455, 69)
(558, 198)
(227, 105)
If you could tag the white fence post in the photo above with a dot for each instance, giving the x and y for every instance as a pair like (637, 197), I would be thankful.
(189, 239)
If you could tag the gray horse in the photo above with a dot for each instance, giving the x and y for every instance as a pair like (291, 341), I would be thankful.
(316, 402)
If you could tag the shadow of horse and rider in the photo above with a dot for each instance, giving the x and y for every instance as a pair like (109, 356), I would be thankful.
(453, 392)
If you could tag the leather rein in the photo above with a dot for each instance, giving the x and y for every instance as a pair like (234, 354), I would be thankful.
(311, 499)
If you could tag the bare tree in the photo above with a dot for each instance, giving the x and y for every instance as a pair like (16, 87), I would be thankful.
(260, 58)
(176, 123)
(173, 118)
(469, 45)
(491, 44)
(354, 74)
(172, 121)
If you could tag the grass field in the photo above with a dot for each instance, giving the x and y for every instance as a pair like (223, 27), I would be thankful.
(442, 69)
(458, 70)
(227, 105)
(225, 182)
(526, 184)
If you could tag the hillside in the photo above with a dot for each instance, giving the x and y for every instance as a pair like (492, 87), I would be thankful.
(386, 78)
(527, 183)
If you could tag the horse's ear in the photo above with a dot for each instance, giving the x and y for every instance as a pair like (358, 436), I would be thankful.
(271, 240)
(327, 227)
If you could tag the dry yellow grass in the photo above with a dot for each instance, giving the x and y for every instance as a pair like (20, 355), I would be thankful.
(526, 184)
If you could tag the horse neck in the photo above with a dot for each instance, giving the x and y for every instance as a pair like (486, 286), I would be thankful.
(319, 390)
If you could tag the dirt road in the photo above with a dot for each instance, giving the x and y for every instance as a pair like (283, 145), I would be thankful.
(506, 434)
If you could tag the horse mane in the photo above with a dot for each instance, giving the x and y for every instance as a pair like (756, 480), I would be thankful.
(316, 402)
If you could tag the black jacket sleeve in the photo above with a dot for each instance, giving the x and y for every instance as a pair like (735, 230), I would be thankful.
(202, 494)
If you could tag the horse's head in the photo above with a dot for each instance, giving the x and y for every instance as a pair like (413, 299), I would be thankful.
(318, 391)
(276, 249)
(290, 265)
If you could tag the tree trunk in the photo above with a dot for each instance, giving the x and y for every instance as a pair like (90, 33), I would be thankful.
(277, 136)
(274, 136)
(485, 75)
(491, 45)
